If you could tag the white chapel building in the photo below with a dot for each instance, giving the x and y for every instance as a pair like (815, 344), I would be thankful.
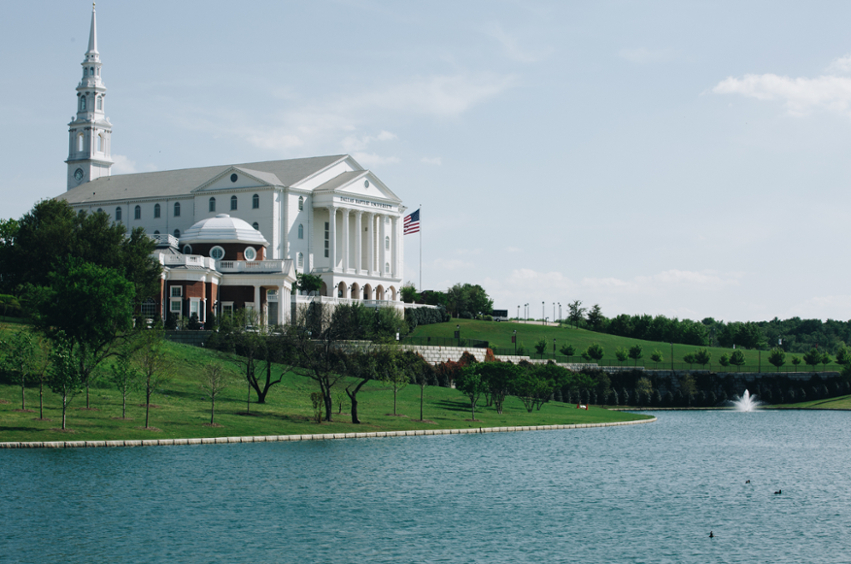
(235, 236)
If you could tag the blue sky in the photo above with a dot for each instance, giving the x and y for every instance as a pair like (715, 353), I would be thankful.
(677, 158)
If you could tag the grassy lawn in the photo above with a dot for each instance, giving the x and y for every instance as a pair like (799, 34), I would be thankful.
(183, 412)
(498, 334)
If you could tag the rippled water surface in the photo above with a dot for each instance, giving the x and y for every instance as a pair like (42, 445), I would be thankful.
(644, 493)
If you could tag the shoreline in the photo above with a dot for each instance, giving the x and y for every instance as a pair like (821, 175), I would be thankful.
(317, 437)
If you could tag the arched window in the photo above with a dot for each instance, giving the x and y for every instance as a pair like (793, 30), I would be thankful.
(156, 211)
(387, 243)
(300, 203)
(137, 212)
(176, 209)
(79, 141)
(300, 260)
(233, 202)
(117, 214)
(82, 103)
(300, 231)
(156, 232)
(256, 226)
(177, 233)
(100, 102)
(187, 249)
(255, 201)
(100, 210)
(212, 205)
(386, 268)
(100, 142)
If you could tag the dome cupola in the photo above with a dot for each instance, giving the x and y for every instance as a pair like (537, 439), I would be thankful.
(223, 229)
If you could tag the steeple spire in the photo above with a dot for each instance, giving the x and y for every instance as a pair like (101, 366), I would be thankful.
(92, 54)
(90, 147)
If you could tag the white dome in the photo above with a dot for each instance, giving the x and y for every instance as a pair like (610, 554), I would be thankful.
(223, 229)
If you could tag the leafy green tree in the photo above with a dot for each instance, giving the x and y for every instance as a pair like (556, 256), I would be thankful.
(813, 357)
(656, 356)
(20, 359)
(635, 353)
(126, 378)
(361, 365)
(567, 350)
(310, 284)
(796, 360)
(737, 358)
(409, 293)
(724, 360)
(575, 312)
(530, 386)
(472, 385)
(541, 347)
(595, 352)
(499, 377)
(749, 335)
(421, 373)
(702, 357)
(644, 387)
(621, 354)
(689, 358)
(596, 319)
(777, 357)
(843, 355)
(64, 377)
(155, 363)
(825, 360)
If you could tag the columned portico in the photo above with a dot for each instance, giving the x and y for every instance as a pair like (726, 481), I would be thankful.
(358, 243)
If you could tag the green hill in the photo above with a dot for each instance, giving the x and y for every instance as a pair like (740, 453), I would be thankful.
(498, 335)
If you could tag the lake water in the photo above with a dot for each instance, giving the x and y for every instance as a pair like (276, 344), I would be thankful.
(643, 493)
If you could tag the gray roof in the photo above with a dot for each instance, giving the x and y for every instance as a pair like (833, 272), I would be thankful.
(176, 183)
(340, 180)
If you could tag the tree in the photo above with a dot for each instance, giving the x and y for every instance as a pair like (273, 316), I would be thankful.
(777, 357)
(843, 355)
(308, 283)
(20, 359)
(64, 377)
(315, 348)
(471, 385)
(737, 358)
(644, 387)
(724, 360)
(499, 377)
(656, 356)
(702, 357)
(635, 353)
(594, 352)
(409, 293)
(361, 365)
(596, 319)
(825, 360)
(575, 312)
(813, 357)
(214, 380)
(541, 347)
(567, 350)
(156, 365)
(530, 387)
(126, 378)
(621, 354)
(421, 373)
(689, 358)
(796, 360)
(392, 371)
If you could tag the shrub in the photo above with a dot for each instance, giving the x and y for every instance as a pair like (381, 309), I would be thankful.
(425, 316)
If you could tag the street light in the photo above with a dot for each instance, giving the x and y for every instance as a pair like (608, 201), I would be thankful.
(518, 313)
(554, 348)
(543, 313)
(554, 311)
(514, 340)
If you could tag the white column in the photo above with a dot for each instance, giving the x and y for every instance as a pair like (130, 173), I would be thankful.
(257, 309)
(345, 239)
(332, 252)
(382, 251)
(370, 250)
(280, 306)
(394, 242)
(358, 242)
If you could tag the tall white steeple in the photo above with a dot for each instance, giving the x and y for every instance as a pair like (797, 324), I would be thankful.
(90, 132)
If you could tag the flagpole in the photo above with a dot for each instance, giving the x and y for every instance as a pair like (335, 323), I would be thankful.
(421, 251)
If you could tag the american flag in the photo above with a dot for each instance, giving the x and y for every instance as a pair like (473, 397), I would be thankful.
(412, 223)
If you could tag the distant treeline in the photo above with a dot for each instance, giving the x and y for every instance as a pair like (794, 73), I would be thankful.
(794, 335)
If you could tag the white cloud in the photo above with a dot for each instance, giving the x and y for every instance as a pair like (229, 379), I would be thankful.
(644, 56)
(123, 165)
(513, 250)
(357, 147)
(841, 65)
(450, 264)
(437, 161)
(801, 95)
(372, 159)
(511, 46)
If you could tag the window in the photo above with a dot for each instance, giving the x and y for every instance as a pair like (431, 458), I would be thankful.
(233, 202)
(300, 231)
(117, 214)
(300, 260)
(100, 102)
(300, 203)
(137, 212)
(82, 103)
(156, 232)
(256, 226)
(156, 211)
(187, 249)
(212, 204)
(327, 239)
(176, 209)
(250, 253)
(177, 233)
(175, 306)
(386, 268)
(79, 141)
(149, 308)
(100, 142)
(217, 253)
(177, 291)
(85, 72)
(100, 210)
(387, 243)
(234, 177)
(255, 202)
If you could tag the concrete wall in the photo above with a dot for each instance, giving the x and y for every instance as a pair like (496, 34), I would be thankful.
(194, 338)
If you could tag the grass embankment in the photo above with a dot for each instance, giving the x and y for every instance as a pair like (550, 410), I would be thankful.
(498, 334)
(183, 412)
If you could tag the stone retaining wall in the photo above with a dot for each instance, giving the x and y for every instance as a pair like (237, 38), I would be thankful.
(194, 338)
(325, 437)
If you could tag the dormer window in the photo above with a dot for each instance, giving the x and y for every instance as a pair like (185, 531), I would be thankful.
(256, 226)
(187, 249)
(177, 233)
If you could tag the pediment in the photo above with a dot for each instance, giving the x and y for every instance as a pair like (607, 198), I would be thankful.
(237, 178)
(360, 185)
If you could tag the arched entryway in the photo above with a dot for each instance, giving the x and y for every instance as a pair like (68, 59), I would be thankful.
(355, 291)
(342, 290)
(323, 291)
(391, 293)
(379, 292)
(367, 292)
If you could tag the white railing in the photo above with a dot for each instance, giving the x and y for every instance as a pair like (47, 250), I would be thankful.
(231, 266)
(299, 299)
(187, 260)
(415, 306)
(165, 238)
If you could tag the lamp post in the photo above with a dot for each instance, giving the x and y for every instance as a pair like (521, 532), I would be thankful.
(518, 313)
(526, 312)
(554, 311)
(559, 312)
(458, 334)
(543, 313)
(514, 340)
(554, 349)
